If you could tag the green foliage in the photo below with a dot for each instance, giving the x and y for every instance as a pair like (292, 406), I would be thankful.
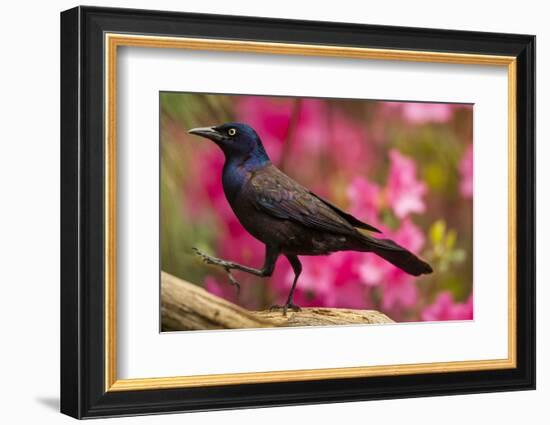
(443, 250)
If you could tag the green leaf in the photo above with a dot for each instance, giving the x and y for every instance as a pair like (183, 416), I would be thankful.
(437, 231)
(458, 256)
(450, 240)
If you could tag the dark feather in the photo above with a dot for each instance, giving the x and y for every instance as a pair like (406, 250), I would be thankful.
(351, 219)
(397, 255)
(282, 197)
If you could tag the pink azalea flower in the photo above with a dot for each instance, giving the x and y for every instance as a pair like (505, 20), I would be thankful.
(269, 117)
(399, 291)
(420, 113)
(373, 270)
(314, 284)
(467, 173)
(310, 131)
(404, 191)
(350, 295)
(409, 236)
(444, 308)
(332, 281)
(207, 196)
(349, 145)
(465, 310)
(317, 131)
(238, 245)
(365, 200)
(317, 275)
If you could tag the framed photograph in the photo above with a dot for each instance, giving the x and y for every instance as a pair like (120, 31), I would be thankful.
(261, 212)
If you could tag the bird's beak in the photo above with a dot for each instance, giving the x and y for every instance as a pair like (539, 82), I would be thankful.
(207, 132)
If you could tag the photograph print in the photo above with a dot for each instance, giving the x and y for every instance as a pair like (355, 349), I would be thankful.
(293, 211)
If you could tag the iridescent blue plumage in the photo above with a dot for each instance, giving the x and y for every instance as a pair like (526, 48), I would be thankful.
(244, 153)
(288, 218)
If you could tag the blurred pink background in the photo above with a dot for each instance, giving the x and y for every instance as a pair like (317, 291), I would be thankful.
(403, 167)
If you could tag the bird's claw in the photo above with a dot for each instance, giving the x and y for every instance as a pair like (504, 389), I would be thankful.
(233, 281)
(208, 259)
(285, 307)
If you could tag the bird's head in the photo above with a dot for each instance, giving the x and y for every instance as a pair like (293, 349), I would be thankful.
(237, 140)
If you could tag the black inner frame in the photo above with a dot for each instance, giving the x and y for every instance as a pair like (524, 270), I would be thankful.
(82, 212)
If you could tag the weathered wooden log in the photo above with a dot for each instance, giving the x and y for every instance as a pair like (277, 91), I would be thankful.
(185, 306)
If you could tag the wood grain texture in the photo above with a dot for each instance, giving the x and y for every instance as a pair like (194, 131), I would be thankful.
(186, 306)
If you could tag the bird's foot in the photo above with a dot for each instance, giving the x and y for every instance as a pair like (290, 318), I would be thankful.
(285, 307)
(226, 265)
(208, 259)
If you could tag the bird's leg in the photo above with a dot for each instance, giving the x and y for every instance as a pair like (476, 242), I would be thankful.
(271, 255)
(297, 267)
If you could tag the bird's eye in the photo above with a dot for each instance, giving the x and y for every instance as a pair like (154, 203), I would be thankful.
(232, 132)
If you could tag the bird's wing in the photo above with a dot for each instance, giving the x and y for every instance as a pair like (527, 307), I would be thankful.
(348, 217)
(278, 195)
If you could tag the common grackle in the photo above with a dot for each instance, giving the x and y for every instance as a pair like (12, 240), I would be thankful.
(287, 217)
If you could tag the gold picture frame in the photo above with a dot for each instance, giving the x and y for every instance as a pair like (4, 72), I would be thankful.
(114, 41)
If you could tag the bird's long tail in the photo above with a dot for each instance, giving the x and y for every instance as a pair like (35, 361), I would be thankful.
(398, 256)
